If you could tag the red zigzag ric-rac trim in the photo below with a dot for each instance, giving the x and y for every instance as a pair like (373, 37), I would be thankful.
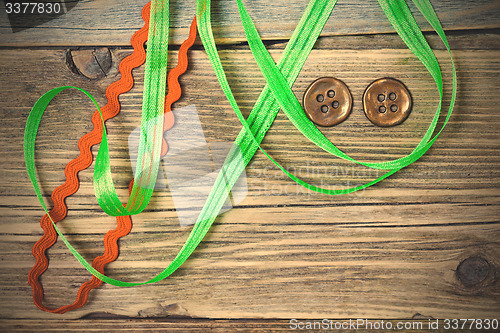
(71, 185)
(174, 88)
(124, 223)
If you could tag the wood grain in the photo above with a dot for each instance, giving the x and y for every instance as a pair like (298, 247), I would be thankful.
(112, 23)
(198, 325)
(389, 252)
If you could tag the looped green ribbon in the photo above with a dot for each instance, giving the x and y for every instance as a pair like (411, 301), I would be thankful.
(151, 128)
(275, 95)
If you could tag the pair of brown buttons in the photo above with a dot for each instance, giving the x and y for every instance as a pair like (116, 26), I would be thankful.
(386, 102)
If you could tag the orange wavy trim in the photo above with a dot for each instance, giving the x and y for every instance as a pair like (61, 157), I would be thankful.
(84, 160)
(174, 87)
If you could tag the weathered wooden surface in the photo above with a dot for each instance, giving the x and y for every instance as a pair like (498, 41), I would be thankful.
(388, 252)
(103, 22)
(417, 324)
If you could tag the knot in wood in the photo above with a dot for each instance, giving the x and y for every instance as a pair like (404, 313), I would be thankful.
(91, 63)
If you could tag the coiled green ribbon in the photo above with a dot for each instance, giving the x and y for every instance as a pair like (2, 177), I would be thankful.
(275, 95)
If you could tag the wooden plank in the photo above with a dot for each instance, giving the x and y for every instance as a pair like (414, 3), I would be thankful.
(112, 23)
(217, 325)
(390, 251)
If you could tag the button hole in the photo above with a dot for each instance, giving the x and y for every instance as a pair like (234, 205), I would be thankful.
(382, 109)
(335, 104)
(393, 96)
(394, 108)
(331, 93)
(324, 108)
(320, 98)
(381, 97)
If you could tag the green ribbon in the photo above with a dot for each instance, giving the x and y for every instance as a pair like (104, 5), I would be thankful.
(275, 95)
(151, 128)
(150, 136)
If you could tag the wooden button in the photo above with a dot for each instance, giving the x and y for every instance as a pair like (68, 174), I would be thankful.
(387, 102)
(327, 101)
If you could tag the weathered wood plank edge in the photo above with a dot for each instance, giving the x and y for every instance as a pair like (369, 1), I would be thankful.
(112, 323)
(345, 225)
(113, 23)
(476, 39)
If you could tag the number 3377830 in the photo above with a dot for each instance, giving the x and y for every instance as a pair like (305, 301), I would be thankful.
(33, 8)
(469, 324)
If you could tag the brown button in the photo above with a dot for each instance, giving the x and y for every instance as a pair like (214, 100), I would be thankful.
(387, 102)
(327, 101)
